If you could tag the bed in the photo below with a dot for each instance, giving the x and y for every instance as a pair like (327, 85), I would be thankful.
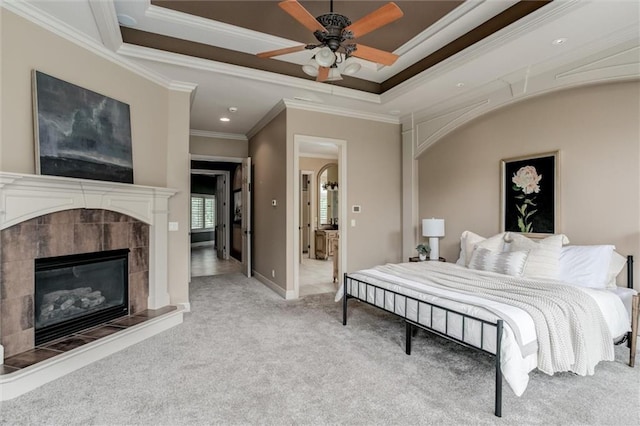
(537, 322)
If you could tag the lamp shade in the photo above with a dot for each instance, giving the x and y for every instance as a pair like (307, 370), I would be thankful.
(433, 227)
(334, 74)
(325, 57)
(311, 68)
(351, 68)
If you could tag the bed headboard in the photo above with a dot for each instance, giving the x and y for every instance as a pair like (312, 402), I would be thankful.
(629, 271)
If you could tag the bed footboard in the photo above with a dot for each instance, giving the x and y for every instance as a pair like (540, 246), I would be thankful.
(632, 336)
(635, 308)
(369, 293)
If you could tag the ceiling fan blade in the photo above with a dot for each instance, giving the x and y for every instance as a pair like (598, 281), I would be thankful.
(323, 74)
(278, 52)
(374, 55)
(376, 19)
(300, 14)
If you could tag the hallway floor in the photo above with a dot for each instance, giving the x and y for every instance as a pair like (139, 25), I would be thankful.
(316, 276)
(204, 262)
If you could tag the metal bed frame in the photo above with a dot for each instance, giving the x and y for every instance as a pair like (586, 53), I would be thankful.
(353, 288)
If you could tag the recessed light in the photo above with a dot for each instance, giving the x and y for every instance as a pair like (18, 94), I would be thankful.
(233, 109)
(558, 41)
(461, 84)
(225, 119)
(126, 20)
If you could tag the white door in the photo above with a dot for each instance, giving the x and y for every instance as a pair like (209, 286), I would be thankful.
(246, 216)
(305, 215)
(221, 205)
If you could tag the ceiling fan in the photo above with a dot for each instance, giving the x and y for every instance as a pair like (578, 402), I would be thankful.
(336, 39)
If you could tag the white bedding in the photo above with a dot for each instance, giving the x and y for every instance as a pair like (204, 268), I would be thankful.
(519, 344)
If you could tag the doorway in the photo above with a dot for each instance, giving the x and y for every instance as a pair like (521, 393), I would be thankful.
(227, 215)
(320, 165)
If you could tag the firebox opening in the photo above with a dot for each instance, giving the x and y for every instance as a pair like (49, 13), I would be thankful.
(79, 291)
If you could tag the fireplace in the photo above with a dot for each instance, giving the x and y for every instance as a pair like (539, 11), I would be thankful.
(78, 291)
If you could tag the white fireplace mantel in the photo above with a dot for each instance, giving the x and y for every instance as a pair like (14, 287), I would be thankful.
(25, 196)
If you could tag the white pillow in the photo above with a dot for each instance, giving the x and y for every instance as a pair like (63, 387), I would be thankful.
(616, 266)
(507, 263)
(544, 256)
(470, 240)
(586, 266)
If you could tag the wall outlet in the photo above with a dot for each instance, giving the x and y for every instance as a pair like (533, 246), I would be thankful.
(273, 273)
(173, 226)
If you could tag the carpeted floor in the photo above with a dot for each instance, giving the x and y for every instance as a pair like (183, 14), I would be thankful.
(246, 356)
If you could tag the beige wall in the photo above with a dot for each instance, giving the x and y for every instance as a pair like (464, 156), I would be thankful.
(179, 177)
(217, 147)
(25, 47)
(268, 156)
(597, 131)
(159, 119)
(373, 182)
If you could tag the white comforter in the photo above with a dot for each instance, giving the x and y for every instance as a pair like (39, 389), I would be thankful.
(519, 345)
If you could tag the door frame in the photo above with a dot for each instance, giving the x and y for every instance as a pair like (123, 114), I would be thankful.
(342, 211)
(211, 158)
(225, 212)
(247, 183)
(312, 216)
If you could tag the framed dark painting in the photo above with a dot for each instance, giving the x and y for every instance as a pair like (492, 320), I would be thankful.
(530, 194)
(80, 133)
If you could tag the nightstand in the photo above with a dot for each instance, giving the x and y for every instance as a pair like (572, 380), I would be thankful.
(417, 259)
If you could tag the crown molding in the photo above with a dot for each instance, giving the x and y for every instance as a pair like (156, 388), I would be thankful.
(104, 13)
(612, 65)
(62, 29)
(456, 23)
(156, 55)
(268, 117)
(217, 135)
(494, 41)
(182, 86)
(213, 27)
(342, 112)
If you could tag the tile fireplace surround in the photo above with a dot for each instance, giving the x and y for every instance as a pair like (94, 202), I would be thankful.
(43, 216)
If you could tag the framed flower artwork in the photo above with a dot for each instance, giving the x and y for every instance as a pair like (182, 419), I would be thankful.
(529, 191)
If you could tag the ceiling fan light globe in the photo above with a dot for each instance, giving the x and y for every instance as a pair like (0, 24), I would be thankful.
(325, 57)
(311, 68)
(334, 75)
(351, 68)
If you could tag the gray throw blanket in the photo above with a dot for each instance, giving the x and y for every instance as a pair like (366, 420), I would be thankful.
(571, 330)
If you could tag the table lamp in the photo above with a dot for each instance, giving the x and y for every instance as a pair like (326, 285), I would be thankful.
(434, 229)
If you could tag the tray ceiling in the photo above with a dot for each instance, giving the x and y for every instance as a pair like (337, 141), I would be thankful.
(267, 19)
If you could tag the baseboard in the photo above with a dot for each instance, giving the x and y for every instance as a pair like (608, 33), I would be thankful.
(273, 286)
(186, 306)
